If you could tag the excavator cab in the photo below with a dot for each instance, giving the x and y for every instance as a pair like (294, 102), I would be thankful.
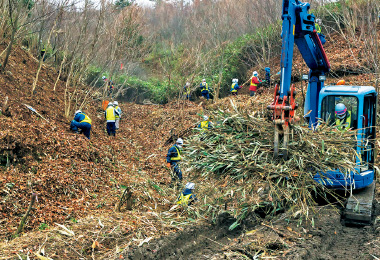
(361, 106)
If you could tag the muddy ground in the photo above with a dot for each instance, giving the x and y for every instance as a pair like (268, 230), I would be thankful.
(255, 239)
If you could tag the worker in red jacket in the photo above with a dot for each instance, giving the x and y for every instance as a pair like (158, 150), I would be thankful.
(254, 83)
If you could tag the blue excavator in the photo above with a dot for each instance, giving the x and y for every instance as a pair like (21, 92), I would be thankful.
(298, 27)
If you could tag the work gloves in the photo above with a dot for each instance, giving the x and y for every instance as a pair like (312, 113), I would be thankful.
(168, 165)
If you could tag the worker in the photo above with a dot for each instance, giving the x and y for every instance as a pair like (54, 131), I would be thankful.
(205, 124)
(187, 91)
(254, 82)
(81, 122)
(110, 83)
(187, 197)
(204, 89)
(43, 53)
(267, 75)
(118, 116)
(173, 158)
(318, 23)
(110, 115)
(343, 117)
(235, 87)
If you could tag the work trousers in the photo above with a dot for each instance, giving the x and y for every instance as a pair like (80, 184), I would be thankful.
(111, 129)
(252, 93)
(177, 173)
(85, 127)
(206, 95)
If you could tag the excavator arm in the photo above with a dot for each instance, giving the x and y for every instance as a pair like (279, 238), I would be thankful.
(297, 29)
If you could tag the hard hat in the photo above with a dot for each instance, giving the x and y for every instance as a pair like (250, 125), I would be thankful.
(318, 20)
(110, 104)
(104, 77)
(340, 110)
(187, 83)
(255, 73)
(235, 80)
(77, 112)
(115, 103)
(205, 117)
(179, 141)
(341, 82)
(190, 186)
(203, 80)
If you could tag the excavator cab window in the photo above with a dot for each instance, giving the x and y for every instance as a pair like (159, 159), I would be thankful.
(368, 122)
(329, 116)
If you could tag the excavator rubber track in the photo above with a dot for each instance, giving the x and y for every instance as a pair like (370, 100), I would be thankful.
(359, 207)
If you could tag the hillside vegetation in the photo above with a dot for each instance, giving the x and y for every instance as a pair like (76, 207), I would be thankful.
(250, 205)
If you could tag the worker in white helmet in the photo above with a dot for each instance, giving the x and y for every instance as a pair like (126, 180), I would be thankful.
(205, 124)
(110, 115)
(254, 83)
(187, 91)
(118, 116)
(235, 87)
(205, 90)
(173, 158)
(187, 196)
(81, 122)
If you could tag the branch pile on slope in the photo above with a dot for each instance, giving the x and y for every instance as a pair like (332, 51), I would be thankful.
(239, 149)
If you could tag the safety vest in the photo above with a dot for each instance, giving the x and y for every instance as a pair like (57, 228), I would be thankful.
(110, 114)
(184, 200)
(86, 119)
(204, 124)
(253, 84)
(43, 49)
(318, 28)
(187, 90)
(116, 108)
(178, 157)
(345, 124)
(233, 88)
(204, 86)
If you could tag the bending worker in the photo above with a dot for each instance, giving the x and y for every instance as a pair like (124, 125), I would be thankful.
(81, 121)
(187, 197)
(343, 117)
(205, 124)
(205, 89)
(173, 158)
(110, 115)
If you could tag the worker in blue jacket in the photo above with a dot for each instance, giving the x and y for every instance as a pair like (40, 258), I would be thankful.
(205, 90)
(187, 197)
(81, 121)
(173, 158)
(235, 87)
